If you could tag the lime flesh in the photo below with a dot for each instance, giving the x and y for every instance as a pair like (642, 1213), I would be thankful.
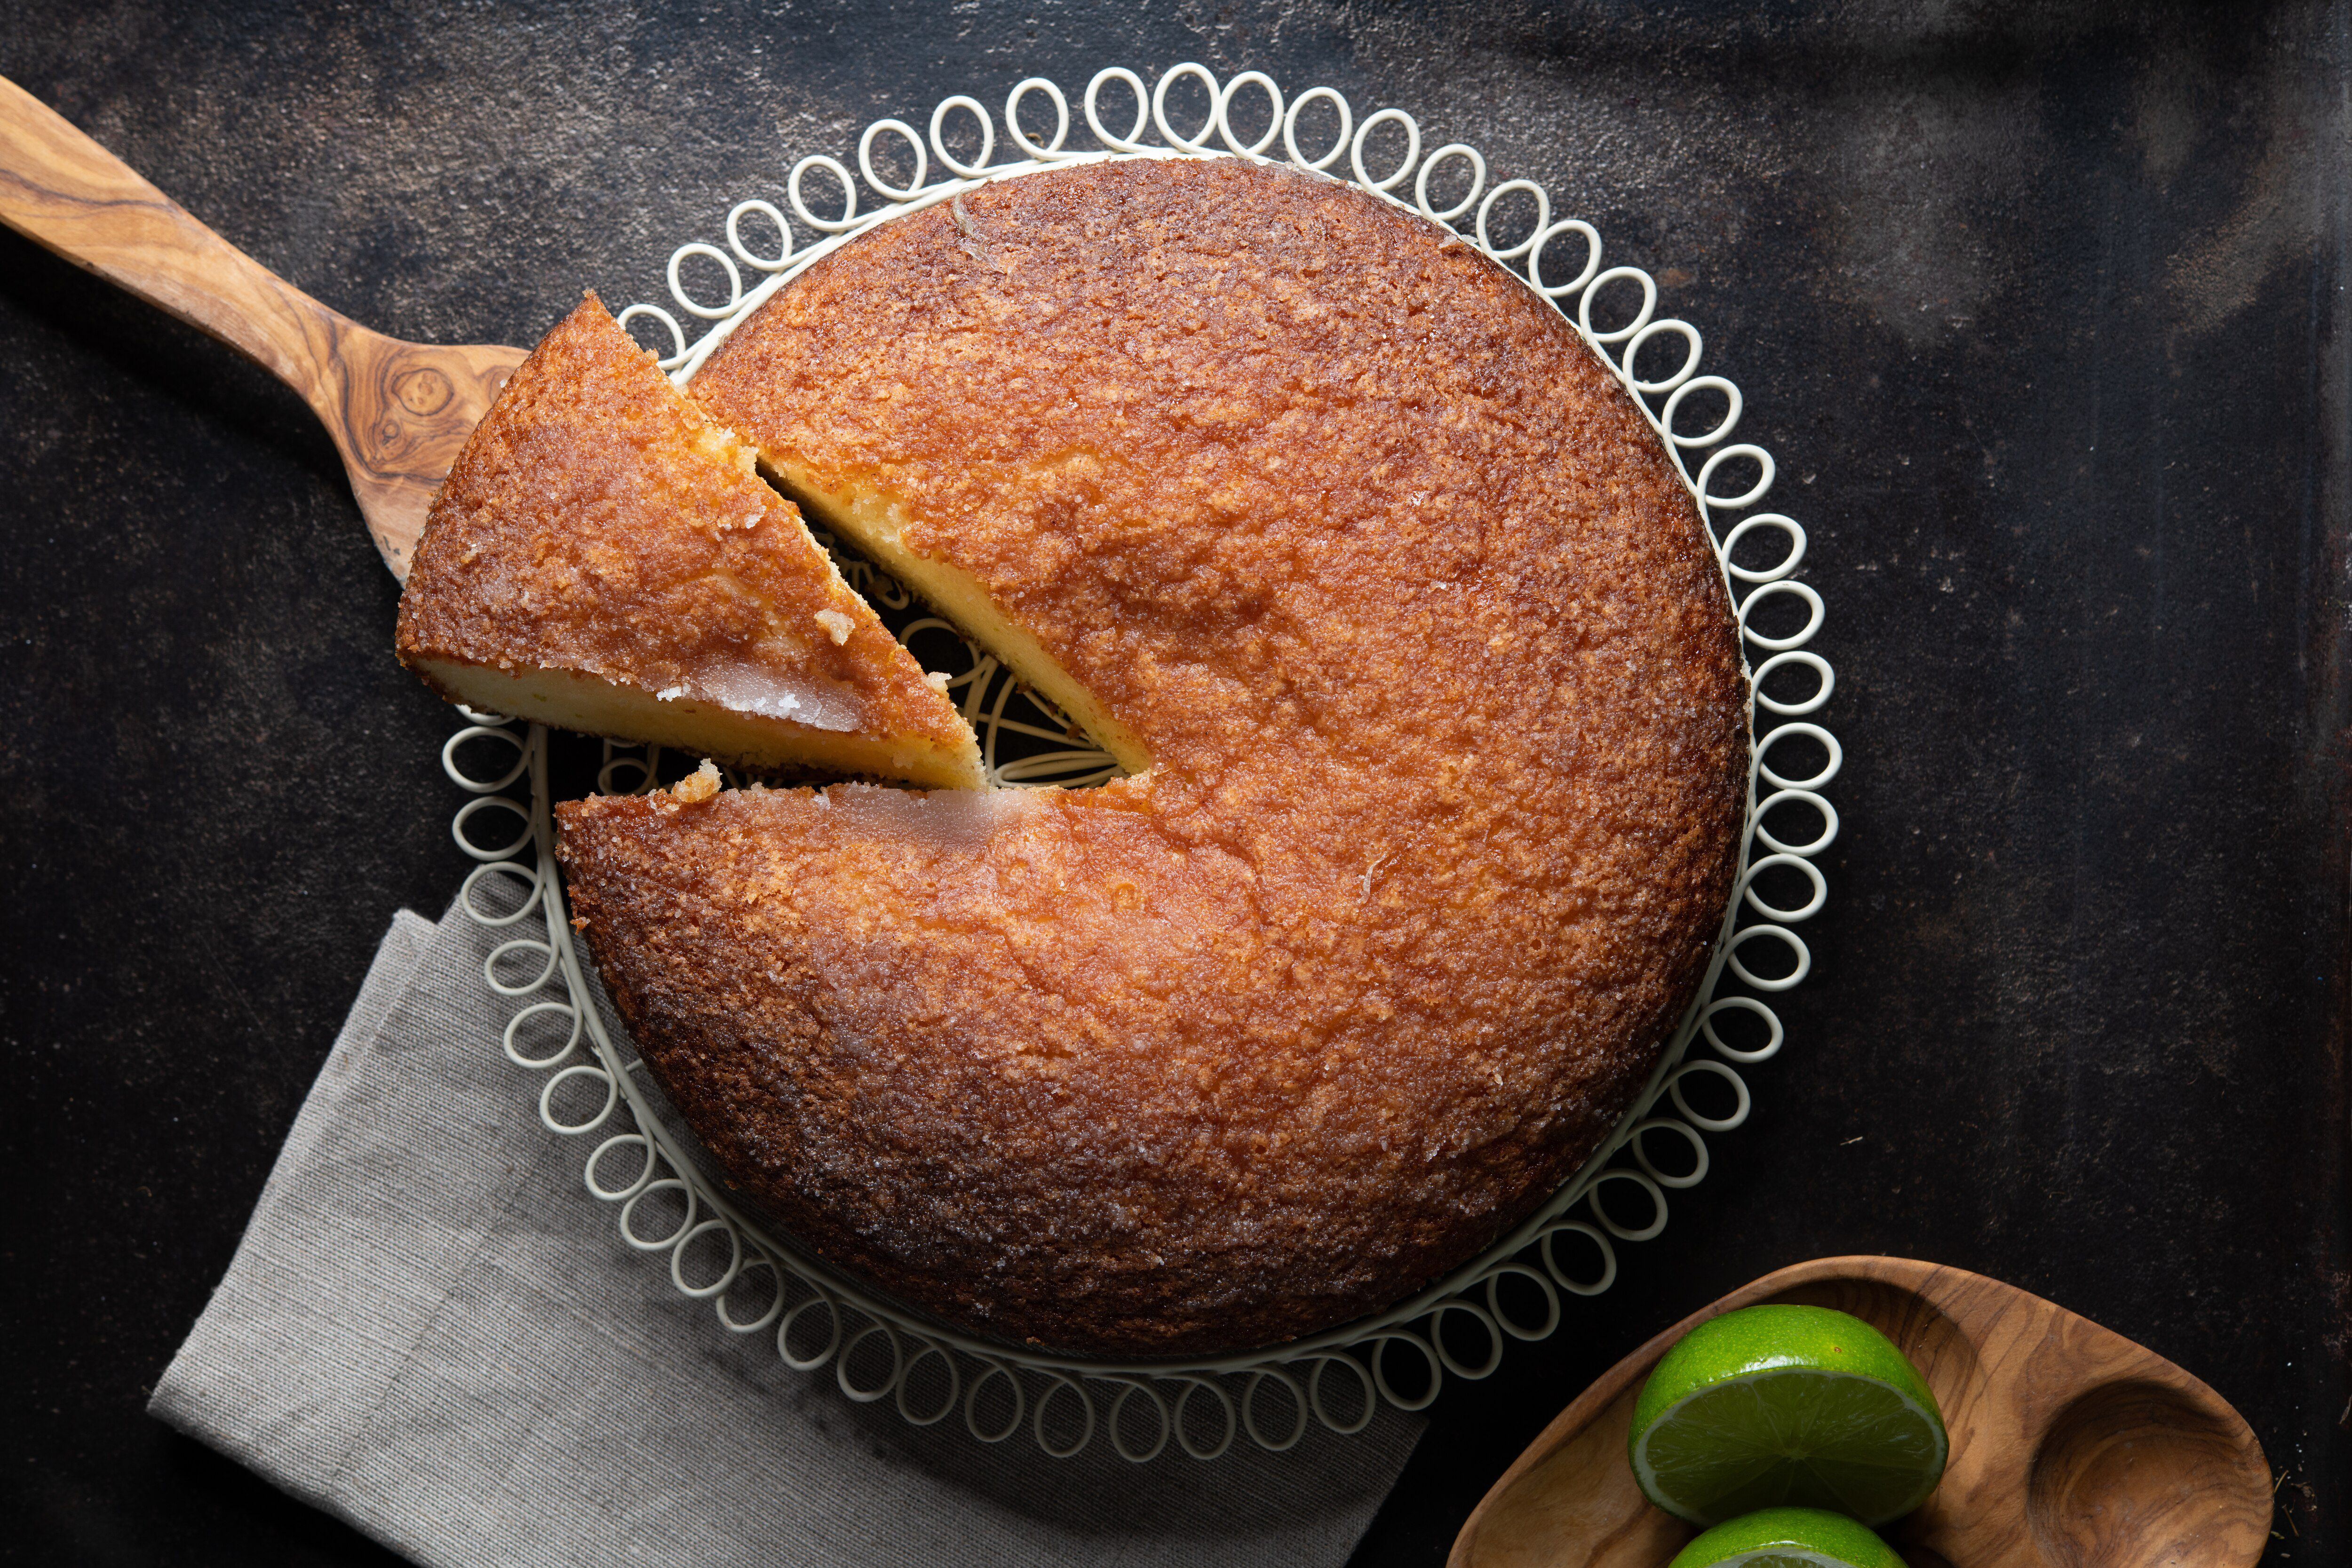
(1788, 1537)
(1783, 1406)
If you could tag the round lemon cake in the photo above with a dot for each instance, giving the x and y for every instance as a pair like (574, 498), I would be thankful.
(1425, 676)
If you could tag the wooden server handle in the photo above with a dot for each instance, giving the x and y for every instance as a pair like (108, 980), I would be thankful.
(398, 411)
(63, 190)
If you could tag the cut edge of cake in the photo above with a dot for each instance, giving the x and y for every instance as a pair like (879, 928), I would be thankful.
(874, 522)
(594, 705)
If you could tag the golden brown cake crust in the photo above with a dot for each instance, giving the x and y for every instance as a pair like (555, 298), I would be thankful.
(1440, 681)
(600, 521)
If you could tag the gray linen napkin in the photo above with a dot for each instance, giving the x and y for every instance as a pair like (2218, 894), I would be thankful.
(432, 1332)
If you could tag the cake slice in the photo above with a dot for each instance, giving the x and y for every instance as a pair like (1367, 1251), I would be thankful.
(604, 557)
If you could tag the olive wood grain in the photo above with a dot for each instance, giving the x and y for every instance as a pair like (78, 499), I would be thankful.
(399, 412)
(2072, 1446)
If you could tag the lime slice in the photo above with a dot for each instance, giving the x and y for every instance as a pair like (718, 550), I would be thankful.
(1787, 1406)
(1788, 1537)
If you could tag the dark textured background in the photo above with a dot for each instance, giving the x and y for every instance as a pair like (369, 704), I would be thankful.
(2040, 308)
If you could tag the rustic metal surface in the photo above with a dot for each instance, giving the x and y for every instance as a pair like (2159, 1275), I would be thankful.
(2042, 308)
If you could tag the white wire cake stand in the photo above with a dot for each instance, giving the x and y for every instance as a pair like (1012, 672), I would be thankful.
(759, 1283)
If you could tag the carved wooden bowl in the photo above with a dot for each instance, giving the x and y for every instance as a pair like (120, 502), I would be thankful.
(2072, 1446)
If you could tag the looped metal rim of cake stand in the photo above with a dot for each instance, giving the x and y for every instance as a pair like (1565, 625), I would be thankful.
(644, 1163)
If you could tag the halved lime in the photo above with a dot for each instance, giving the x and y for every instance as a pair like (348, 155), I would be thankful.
(1788, 1537)
(1787, 1406)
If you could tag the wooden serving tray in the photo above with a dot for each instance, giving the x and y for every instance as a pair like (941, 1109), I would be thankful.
(2072, 1446)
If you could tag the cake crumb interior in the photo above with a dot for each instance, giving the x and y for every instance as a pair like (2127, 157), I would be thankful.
(874, 523)
(595, 705)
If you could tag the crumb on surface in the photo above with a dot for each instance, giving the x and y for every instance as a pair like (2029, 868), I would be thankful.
(836, 626)
(699, 785)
